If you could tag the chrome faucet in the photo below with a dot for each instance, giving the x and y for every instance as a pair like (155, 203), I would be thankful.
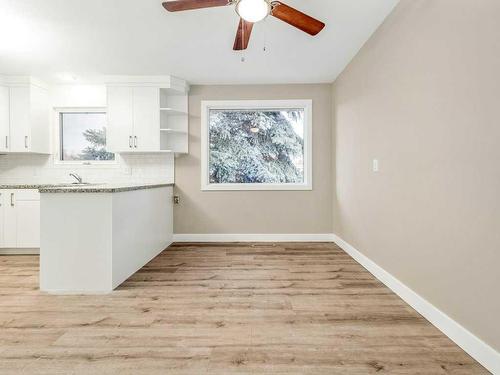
(77, 178)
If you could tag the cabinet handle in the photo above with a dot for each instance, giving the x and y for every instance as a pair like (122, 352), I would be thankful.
(130, 141)
(135, 141)
(12, 199)
(25, 141)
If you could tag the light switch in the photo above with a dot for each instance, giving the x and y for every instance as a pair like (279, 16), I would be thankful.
(375, 165)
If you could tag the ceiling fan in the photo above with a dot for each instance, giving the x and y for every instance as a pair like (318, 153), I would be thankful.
(250, 12)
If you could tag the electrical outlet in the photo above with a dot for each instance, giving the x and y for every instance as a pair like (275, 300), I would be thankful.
(375, 165)
(177, 199)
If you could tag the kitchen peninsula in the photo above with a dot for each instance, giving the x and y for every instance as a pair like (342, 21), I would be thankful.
(93, 237)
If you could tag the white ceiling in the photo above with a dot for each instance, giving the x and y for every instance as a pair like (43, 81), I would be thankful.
(138, 37)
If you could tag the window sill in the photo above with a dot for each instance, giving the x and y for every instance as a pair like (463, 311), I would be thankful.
(256, 187)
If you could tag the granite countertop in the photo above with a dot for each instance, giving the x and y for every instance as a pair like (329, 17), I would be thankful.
(86, 188)
(32, 186)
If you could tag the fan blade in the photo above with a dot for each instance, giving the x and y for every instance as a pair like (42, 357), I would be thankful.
(243, 35)
(178, 5)
(296, 18)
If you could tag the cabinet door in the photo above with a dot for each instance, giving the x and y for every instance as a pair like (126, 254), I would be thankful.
(19, 106)
(9, 219)
(28, 223)
(146, 119)
(4, 118)
(2, 204)
(120, 119)
(39, 121)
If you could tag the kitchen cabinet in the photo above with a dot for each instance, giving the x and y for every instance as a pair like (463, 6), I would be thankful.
(120, 129)
(1, 218)
(20, 132)
(20, 218)
(147, 118)
(24, 119)
(10, 219)
(4, 118)
(133, 119)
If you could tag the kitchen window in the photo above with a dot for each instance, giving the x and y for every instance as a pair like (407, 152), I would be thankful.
(256, 145)
(82, 137)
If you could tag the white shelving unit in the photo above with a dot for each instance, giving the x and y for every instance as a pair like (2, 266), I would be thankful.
(173, 120)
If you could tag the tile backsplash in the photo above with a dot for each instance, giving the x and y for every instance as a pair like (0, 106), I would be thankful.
(133, 168)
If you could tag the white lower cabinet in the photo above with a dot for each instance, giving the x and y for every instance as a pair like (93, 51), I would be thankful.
(20, 219)
(9, 219)
(1, 218)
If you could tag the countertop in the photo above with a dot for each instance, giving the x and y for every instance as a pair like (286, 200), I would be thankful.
(86, 188)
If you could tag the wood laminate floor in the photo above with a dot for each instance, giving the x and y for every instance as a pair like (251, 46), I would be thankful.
(223, 309)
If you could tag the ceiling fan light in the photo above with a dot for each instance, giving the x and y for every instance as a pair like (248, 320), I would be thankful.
(253, 10)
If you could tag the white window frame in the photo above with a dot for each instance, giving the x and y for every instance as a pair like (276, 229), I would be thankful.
(57, 139)
(207, 105)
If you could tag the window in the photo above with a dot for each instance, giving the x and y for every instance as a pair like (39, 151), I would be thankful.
(256, 145)
(82, 136)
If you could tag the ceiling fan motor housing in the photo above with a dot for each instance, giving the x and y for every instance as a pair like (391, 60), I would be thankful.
(253, 10)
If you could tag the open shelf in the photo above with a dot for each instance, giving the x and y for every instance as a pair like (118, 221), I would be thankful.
(173, 120)
(172, 131)
(175, 141)
(172, 91)
(173, 112)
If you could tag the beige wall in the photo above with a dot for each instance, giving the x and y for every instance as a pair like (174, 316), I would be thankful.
(423, 96)
(257, 211)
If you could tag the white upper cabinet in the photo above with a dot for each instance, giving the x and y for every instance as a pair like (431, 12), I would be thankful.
(24, 119)
(20, 127)
(133, 119)
(147, 117)
(39, 125)
(119, 134)
(4, 118)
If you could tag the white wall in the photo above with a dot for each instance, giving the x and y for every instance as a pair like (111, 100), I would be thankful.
(422, 97)
(43, 169)
(257, 212)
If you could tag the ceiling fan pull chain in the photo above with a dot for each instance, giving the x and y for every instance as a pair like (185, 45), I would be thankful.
(243, 50)
(264, 30)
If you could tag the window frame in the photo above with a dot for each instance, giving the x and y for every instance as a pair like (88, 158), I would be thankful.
(207, 105)
(58, 140)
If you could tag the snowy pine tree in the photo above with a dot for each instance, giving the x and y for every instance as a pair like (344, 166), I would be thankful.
(96, 150)
(255, 147)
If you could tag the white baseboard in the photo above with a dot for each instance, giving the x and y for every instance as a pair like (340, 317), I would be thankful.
(19, 251)
(475, 347)
(228, 237)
